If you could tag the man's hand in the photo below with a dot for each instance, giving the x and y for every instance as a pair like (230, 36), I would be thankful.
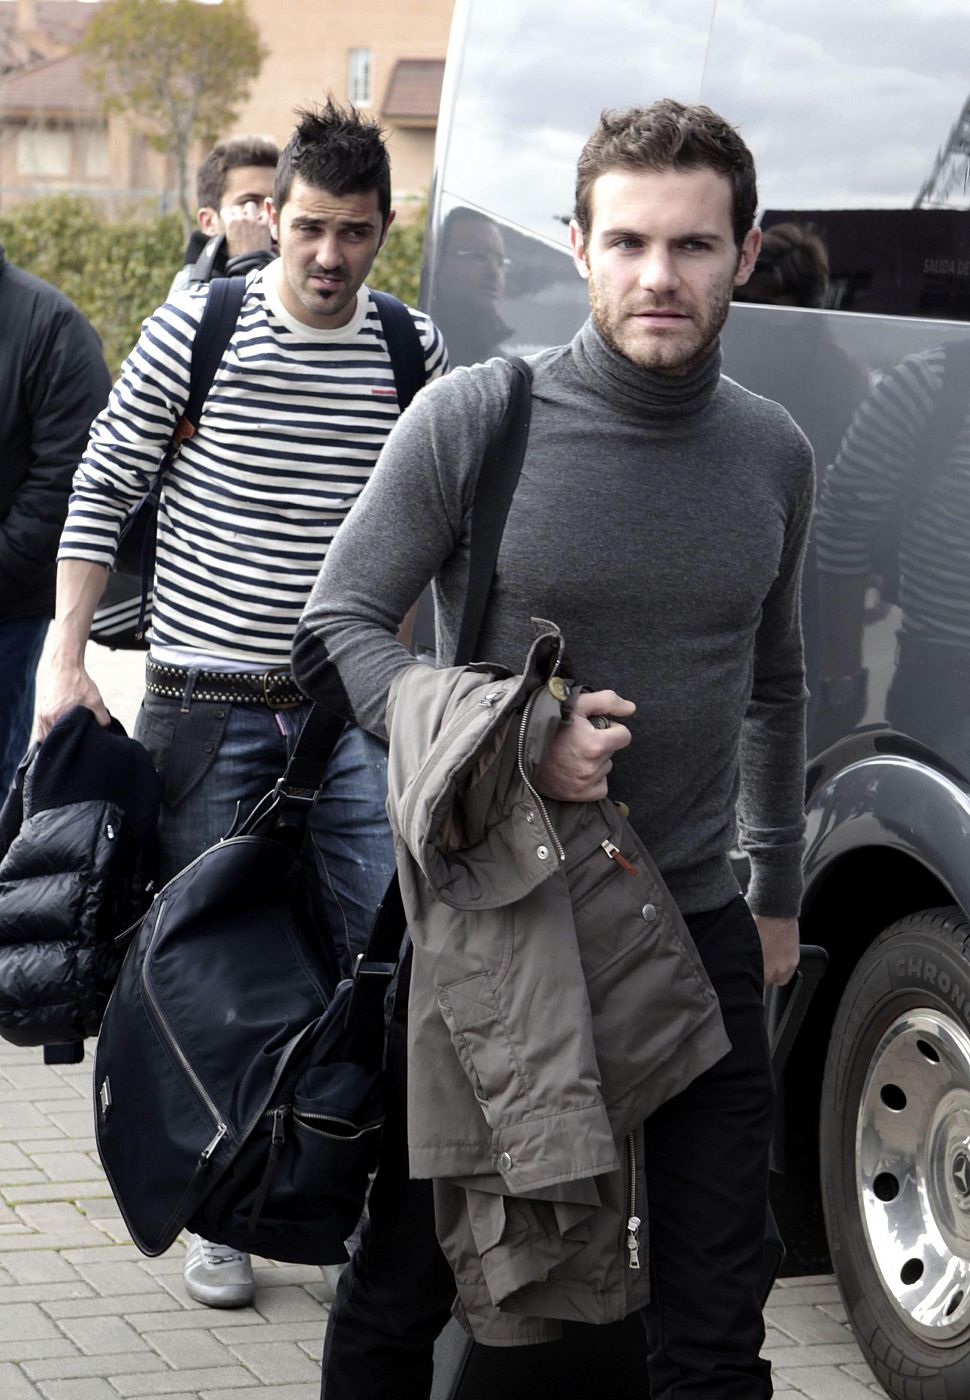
(247, 228)
(64, 687)
(779, 947)
(580, 757)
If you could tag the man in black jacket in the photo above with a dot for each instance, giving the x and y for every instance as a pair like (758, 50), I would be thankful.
(55, 381)
(233, 237)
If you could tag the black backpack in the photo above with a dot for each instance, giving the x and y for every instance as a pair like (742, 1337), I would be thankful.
(237, 1080)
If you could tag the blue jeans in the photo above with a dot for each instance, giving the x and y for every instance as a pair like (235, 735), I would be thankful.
(21, 642)
(217, 758)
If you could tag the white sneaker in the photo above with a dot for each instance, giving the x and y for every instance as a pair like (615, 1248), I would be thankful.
(216, 1275)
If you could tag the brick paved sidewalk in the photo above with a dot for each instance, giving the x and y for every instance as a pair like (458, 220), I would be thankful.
(84, 1316)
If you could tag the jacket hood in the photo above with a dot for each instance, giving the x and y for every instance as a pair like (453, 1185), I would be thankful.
(462, 802)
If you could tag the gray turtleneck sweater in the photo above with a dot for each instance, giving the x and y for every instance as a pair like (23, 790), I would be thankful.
(660, 522)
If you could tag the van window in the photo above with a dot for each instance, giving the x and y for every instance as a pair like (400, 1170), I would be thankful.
(534, 79)
(853, 116)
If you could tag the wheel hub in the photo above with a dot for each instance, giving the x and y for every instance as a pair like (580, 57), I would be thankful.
(913, 1171)
(960, 1177)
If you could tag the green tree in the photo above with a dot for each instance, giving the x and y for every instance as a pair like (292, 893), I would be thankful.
(397, 267)
(180, 67)
(116, 273)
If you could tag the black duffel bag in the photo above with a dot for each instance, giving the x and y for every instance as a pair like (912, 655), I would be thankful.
(237, 1078)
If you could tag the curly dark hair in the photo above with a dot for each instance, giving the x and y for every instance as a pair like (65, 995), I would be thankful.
(668, 135)
(210, 180)
(337, 149)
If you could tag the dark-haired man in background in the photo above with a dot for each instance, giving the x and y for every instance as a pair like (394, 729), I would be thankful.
(298, 410)
(54, 381)
(659, 520)
(233, 185)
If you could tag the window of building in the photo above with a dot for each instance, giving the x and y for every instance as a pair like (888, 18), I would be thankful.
(95, 162)
(44, 152)
(360, 77)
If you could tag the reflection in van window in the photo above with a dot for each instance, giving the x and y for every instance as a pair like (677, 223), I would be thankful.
(860, 131)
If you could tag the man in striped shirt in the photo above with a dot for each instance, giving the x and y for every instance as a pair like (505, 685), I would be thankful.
(300, 406)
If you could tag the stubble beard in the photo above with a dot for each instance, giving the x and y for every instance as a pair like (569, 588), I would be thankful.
(678, 354)
(330, 303)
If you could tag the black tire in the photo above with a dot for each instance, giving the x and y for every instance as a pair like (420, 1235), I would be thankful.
(895, 1155)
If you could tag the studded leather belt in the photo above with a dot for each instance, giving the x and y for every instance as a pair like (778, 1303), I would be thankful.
(275, 688)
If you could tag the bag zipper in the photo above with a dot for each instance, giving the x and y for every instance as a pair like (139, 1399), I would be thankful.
(221, 1127)
(277, 1138)
(299, 1114)
(633, 1220)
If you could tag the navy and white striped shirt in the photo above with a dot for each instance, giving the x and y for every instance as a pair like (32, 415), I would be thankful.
(289, 435)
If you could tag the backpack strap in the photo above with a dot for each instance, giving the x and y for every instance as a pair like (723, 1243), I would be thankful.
(403, 346)
(219, 316)
(222, 307)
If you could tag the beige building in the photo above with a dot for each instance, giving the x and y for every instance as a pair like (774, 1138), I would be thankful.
(387, 57)
(54, 138)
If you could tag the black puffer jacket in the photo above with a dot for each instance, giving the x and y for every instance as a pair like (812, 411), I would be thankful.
(76, 845)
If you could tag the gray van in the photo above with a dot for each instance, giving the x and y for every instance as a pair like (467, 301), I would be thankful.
(856, 320)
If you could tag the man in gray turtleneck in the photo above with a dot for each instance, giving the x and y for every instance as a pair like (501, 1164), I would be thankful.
(660, 520)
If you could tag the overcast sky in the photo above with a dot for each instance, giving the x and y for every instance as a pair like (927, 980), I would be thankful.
(844, 105)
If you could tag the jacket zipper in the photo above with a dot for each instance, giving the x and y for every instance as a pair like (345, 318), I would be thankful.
(615, 854)
(633, 1220)
(221, 1128)
(523, 727)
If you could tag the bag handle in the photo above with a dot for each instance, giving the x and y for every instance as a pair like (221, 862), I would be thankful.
(498, 477)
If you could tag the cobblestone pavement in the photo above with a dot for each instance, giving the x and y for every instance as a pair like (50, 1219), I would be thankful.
(86, 1317)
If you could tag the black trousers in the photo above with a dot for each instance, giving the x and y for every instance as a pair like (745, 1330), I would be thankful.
(707, 1186)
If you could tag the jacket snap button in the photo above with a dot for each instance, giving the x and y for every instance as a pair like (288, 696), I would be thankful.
(530, 817)
(542, 852)
(649, 912)
(505, 1162)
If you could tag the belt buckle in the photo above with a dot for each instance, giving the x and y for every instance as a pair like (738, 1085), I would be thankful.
(267, 679)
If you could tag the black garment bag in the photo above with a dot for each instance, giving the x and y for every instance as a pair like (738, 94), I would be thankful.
(238, 1078)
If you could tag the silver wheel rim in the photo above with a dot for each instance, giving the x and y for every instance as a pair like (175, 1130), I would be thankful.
(913, 1171)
